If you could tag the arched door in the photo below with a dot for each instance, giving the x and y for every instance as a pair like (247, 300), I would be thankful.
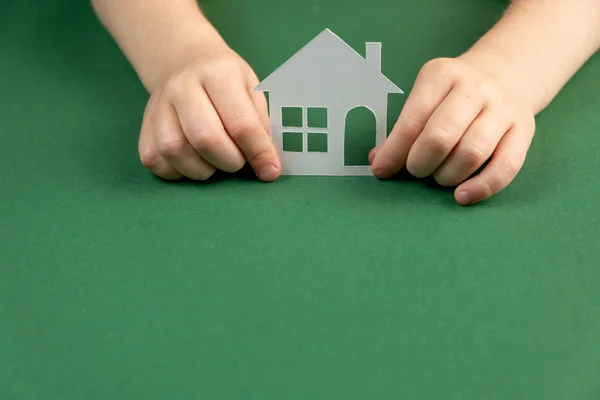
(359, 136)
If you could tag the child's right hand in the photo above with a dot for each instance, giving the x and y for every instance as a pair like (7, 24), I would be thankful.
(206, 117)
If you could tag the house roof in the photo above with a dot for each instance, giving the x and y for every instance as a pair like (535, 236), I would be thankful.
(327, 63)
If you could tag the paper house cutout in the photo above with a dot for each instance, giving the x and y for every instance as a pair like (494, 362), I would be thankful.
(326, 74)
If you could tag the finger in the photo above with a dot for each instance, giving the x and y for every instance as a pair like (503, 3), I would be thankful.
(262, 109)
(150, 157)
(474, 149)
(174, 147)
(233, 104)
(506, 162)
(372, 154)
(204, 130)
(429, 91)
(443, 131)
(260, 103)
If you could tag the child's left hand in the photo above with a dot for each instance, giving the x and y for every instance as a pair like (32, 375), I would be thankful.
(457, 117)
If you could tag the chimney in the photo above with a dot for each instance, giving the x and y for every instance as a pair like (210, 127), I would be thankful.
(374, 54)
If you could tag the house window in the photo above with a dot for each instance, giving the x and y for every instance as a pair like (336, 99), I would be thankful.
(317, 142)
(317, 117)
(305, 129)
(291, 117)
(292, 141)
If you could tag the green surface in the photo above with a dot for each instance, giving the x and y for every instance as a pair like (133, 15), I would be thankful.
(317, 117)
(317, 142)
(116, 285)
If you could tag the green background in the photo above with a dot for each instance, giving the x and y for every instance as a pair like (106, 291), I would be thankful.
(117, 285)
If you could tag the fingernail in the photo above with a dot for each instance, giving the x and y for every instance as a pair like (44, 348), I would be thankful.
(463, 197)
(267, 173)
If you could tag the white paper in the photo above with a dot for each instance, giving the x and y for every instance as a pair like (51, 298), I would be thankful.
(327, 73)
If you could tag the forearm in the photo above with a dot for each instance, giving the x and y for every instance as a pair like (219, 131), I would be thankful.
(157, 36)
(539, 45)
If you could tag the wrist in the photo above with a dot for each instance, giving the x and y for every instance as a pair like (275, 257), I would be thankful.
(191, 41)
(157, 37)
(520, 51)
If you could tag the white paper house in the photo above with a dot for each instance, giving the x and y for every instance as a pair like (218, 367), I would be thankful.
(327, 73)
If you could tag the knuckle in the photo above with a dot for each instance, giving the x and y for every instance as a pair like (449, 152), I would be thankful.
(416, 165)
(240, 126)
(168, 174)
(258, 156)
(474, 154)
(227, 64)
(429, 67)
(510, 168)
(173, 149)
(204, 142)
(497, 181)
(449, 182)
(444, 179)
(223, 66)
(412, 166)
(174, 87)
(438, 66)
(237, 165)
(439, 139)
(489, 188)
(149, 158)
(205, 175)
(409, 124)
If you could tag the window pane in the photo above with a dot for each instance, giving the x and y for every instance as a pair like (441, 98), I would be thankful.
(317, 142)
(292, 141)
(291, 117)
(317, 118)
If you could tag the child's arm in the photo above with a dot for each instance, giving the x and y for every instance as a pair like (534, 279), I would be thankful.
(482, 104)
(539, 45)
(202, 114)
